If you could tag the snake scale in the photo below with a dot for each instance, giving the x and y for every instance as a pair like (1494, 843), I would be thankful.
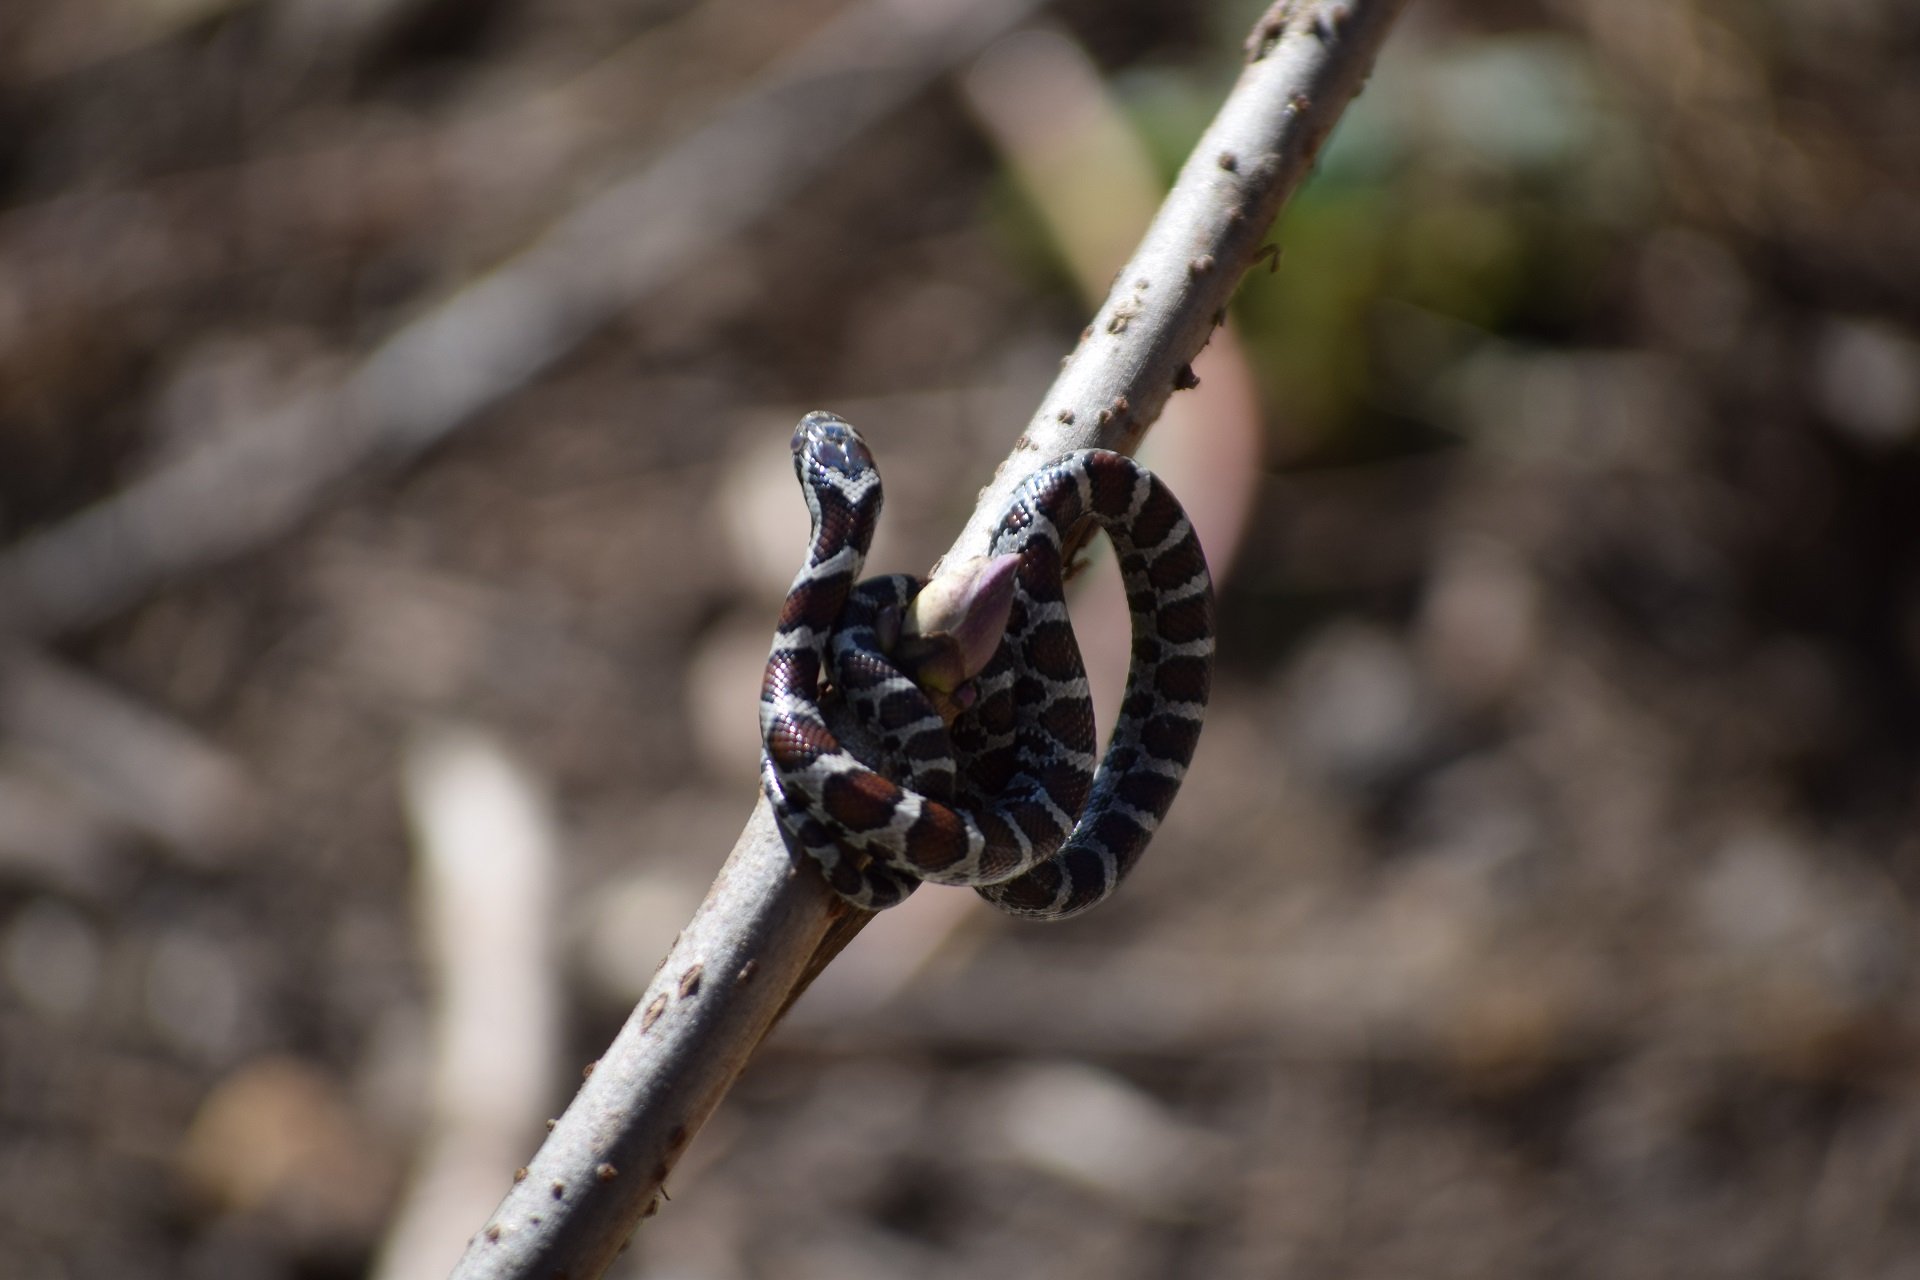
(1008, 798)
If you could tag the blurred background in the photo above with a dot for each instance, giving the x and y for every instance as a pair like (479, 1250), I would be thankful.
(394, 507)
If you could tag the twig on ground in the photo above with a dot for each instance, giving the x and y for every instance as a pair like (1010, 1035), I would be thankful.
(768, 925)
(486, 852)
(126, 760)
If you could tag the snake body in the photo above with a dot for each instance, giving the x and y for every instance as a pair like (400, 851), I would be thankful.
(1007, 799)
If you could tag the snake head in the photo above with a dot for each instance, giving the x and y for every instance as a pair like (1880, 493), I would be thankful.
(828, 443)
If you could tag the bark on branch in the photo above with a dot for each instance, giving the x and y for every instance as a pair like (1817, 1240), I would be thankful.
(768, 924)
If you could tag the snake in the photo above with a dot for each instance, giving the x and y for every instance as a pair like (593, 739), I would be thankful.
(1008, 798)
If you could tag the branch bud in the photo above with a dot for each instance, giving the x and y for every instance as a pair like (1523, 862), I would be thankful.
(954, 627)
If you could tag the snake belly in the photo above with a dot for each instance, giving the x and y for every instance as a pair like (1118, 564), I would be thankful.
(1009, 799)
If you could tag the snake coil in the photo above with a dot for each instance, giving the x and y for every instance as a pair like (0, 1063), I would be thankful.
(1007, 799)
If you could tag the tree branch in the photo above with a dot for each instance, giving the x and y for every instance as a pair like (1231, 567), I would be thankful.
(768, 924)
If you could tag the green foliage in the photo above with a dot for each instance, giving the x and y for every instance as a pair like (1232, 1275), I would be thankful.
(1480, 186)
